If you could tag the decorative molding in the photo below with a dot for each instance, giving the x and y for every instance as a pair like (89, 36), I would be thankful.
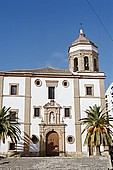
(50, 83)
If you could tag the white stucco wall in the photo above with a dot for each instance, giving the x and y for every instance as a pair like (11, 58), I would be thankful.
(63, 96)
(94, 82)
(39, 97)
(15, 102)
(86, 101)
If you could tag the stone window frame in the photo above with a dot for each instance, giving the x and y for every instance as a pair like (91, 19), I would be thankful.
(91, 86)
(37, 107)
(9, 146)
(17, 89)
(65, 85)
(73, 139)
(36, 137)
(51, 92)
(51, 83)
(70, 115)
(38, 82)
(16, 111)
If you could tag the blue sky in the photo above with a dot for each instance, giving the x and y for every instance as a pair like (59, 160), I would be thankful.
(37, 33)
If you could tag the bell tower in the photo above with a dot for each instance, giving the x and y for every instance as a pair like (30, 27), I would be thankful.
(83, 55)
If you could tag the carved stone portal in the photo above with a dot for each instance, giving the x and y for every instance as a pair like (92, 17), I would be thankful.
(52, 128)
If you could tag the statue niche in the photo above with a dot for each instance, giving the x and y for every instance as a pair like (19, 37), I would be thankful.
(52, 113)
(51, 117)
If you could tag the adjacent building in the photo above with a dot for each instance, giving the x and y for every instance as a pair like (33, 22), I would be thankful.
(109, 99)
(49, 102)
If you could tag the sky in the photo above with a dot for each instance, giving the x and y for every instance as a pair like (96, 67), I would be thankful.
(37, 33)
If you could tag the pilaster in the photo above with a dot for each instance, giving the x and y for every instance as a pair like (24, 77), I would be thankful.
(1, 90)
(27, 108)
(77, 116)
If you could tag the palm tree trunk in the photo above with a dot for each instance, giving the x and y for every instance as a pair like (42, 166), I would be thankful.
(90, 150)
(98, 150)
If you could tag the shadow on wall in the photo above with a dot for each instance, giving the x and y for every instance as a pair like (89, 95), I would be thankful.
(28, 146)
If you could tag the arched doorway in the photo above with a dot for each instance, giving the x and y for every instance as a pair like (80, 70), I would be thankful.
(52, 144)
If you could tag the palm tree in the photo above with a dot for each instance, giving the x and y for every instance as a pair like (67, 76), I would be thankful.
(8, 128)
(98, 128)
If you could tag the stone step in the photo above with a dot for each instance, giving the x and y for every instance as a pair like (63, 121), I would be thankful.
(56, 163)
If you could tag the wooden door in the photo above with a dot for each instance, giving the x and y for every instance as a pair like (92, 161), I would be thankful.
(52, 144)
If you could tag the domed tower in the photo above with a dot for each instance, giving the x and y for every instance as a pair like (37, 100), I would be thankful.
(83, 55)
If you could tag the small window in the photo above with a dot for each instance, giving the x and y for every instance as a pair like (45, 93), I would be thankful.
(70, 139)
(37, 112)
(13, 115)
(66, 112)
(88, 90)
(13, 90)
(34, 139)
(11, 146)
(38, 82)
(51, 92)
(106, 105)
(65, 83)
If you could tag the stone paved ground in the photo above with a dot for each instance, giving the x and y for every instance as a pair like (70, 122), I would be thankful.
(55, 163)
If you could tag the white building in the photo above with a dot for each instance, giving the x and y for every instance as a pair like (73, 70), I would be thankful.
(49, 102)
(109, 99)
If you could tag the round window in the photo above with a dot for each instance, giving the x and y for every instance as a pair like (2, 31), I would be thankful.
(65, 83)
(38, 82)
(34, 139)
(70, 139)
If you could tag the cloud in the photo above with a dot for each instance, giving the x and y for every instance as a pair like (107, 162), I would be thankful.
(59, 55)
(57, 60)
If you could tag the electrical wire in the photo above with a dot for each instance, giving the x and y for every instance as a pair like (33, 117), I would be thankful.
(100, 20)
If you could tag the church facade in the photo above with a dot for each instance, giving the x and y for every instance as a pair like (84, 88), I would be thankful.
(49, 102)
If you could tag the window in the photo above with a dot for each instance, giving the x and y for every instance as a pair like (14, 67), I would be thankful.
(88, 90)
(67, 112)
(11, 146)
(75, 64)
(65, 83)
(51, 92)
(86, 63)
(37, 112)
(107, 105)
(13, 89)
(38, 82)
(34, 139)
(13, 115)
(70, 139)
